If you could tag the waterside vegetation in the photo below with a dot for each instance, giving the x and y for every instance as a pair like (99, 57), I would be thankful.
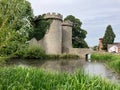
(17, 27)
(35, 53)
(112, 60)
(22, 78)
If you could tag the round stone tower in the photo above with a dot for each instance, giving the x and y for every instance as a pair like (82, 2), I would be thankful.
(66, 36)
(53, 36)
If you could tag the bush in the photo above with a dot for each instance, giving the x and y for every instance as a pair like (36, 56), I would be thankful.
(35, 53)
(9, 48)
(30, 53)
(20, 51)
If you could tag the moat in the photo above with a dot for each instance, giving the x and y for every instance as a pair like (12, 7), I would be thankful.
(93, 68)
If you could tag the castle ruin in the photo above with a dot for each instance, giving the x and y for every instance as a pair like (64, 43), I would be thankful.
(58, 38)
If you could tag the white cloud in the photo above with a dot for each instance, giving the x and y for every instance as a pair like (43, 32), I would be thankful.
(95, 14)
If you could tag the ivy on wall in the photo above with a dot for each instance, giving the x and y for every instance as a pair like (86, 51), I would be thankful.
(40, 26)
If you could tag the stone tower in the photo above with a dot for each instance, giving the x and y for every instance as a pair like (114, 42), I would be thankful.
(58, 38)
(66, 36)
(53, 36)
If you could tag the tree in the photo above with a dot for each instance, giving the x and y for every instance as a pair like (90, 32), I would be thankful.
(108, 37)
(15, 16)
(95, 48)
(78, 34)
(12, 12)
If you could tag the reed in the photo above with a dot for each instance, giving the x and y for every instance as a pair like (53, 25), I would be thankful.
(102, 57)
(21, 78)
(112, 60)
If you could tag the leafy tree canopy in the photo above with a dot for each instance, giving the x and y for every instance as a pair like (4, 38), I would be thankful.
(12, 13)
(78, 34)
(15, 16)
(108, 37)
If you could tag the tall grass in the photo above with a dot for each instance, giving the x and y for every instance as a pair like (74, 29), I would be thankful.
(101, 57)
(115, 64)
(112, 60)
(19, 78)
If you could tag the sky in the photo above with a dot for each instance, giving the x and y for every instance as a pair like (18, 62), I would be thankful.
(95, 15)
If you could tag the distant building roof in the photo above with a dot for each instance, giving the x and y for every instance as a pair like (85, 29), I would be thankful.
(116, 44)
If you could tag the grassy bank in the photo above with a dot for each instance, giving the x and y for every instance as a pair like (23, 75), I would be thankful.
(39, 53)
(47, 57)
(62, 56)
(112, 60)
(19, 78)
(35, 53)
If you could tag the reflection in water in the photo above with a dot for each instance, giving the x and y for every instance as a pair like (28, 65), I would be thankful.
(53, 65)
(93, 68)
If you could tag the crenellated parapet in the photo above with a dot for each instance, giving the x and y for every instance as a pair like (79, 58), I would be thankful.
(53, 38)
(53, 16)
(58, 38)
(67, 23)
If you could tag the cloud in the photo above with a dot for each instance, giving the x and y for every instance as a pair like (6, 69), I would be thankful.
(94, 14)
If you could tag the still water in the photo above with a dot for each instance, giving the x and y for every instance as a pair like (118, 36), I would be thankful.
(92, 68)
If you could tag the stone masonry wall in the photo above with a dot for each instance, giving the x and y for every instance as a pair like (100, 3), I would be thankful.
(66, 36)
(33, 42)
(80, 51)
(53, 38)
(52, 41)
(58, 38)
